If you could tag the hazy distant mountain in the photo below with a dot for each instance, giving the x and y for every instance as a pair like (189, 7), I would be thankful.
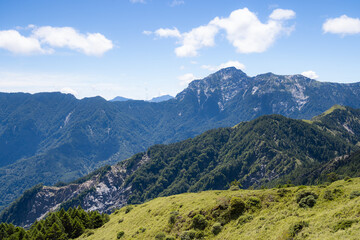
(262, 152)
(51, 137)
(119, 99)
(161, 98)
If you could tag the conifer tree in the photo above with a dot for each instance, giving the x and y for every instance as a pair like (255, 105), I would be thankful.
(78, 228)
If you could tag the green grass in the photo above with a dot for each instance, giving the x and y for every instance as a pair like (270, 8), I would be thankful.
(278, 216)
(333, 108)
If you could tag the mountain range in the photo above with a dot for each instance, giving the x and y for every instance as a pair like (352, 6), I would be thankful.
(264, 152)
(53, 137)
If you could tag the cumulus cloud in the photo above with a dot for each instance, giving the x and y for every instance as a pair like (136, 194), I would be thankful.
(310, 74)
(44, 39)
(186, 79)
(167, 32)
(197, 38)
(248, 35)
(282, 14)
(91, 44)
(13, 41)
(243, 30)
(343, 25)
(235, 64)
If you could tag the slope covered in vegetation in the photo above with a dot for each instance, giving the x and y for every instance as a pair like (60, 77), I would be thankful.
(298, 212)
(264, 152)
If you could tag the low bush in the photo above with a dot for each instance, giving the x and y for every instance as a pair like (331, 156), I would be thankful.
(216, 228)
(297, 227)
(188, 235)
(306, 199)
(199, 222)
(128, 209)
(237, 207)
(160, 236)
(172, 218)
(328, 195)
(120, 234)
(253, 202)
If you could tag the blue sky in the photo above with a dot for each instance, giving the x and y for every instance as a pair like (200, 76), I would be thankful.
(141, 49)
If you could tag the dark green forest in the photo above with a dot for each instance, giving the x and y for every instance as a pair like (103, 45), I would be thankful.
(60, 225)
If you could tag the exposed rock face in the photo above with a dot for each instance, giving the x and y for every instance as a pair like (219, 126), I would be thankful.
(102, 192)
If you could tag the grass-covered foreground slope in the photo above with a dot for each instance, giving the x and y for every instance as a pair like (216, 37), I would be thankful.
(313, 212)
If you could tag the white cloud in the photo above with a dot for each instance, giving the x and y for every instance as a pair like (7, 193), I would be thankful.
(43, 39)
(177, 3)
(310, 74)
(90, 44)
(14, 42)
(197, 38)
(186, 79)
(167, 32)
(247, 34)
(282, 14)
(235, 64)
(343, 25)
(243, 30)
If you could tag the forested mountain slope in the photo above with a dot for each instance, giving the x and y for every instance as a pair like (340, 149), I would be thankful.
(263, 152)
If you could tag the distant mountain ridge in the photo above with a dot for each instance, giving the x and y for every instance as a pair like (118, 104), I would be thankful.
(263, 152)
(52, 137)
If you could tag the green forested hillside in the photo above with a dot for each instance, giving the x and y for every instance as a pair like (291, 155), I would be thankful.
(312, 212)
(264, 152)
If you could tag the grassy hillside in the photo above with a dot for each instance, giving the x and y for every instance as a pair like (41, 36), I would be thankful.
(242, 214)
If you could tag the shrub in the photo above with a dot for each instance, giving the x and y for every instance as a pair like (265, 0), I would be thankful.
(187, 235)
(128, 209)
(120, 234)
(354, 194)
(282, 192)
(172, 218)
(343, 224)
(160, 236)
(169, 238)
(254, 202)
(199, 222)
(237, 207)
(297, 227)
(306, 199)
(120, 220)
(328, 195)
(216, 228)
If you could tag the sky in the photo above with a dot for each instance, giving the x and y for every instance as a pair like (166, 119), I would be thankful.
(141, 49)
